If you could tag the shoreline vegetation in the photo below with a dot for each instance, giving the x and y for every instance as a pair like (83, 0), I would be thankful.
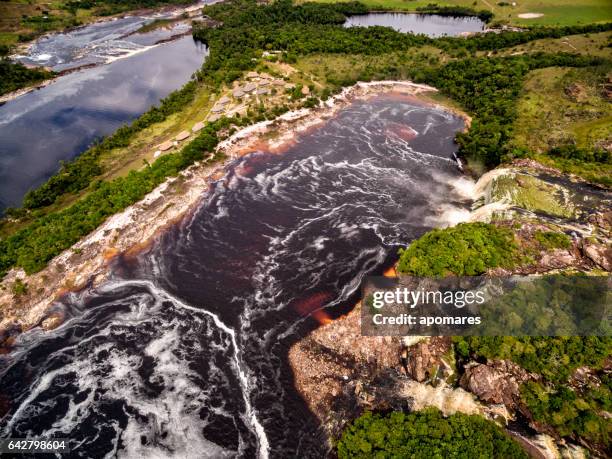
(15, 76)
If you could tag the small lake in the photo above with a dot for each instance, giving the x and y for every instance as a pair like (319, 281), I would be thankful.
(61, 120)
(432, 25)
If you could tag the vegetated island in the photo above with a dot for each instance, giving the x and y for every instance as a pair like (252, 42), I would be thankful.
(15, 76)
(494, 78)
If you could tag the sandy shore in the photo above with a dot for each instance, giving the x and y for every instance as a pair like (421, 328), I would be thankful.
(87, 262)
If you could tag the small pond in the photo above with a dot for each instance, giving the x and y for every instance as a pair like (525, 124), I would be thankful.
(432, 25)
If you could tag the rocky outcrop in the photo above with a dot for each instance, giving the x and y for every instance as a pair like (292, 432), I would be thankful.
(497, 382)
(599, 254)
(340, 373)
(424, 360)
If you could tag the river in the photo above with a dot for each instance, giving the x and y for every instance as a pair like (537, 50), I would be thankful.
(184, 352)
(60, 121)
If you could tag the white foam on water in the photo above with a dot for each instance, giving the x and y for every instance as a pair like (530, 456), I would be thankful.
(251, 415)
(42, 57)
(99, 371)
(449, 215)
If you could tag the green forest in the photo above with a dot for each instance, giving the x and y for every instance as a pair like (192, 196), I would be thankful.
(426, 434)
(550, 401)
(468, 249)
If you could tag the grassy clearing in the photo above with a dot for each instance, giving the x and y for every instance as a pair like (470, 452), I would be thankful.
(561, 106)
(338, 69)
(532, 194)
(596, 44)
(559, 12)
(20, 20)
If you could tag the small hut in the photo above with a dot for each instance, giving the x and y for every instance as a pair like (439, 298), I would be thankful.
(250, 87)
(213, 118)
(218, 109)
(262, 91)
(165, 146)
(238, 93)
(198, 126)
(182, 136)
(224, 101)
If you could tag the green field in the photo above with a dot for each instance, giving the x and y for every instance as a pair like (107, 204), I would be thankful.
(595, 44)
(558, 12)
(560, 106)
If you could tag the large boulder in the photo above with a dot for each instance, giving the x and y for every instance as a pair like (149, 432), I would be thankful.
(599, 254)
(496, 382)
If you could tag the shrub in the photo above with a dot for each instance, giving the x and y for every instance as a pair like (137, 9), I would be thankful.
(552, 240)
(466, 249)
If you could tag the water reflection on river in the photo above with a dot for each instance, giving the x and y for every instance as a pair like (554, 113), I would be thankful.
(61, 120)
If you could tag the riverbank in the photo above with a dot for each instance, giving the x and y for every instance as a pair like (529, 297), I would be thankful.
(87, 262)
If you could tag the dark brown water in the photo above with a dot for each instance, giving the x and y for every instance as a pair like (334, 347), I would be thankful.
(183, 354)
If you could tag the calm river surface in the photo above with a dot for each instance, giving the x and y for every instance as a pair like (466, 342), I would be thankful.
(183, 354)
(432, 25)
(61, 120)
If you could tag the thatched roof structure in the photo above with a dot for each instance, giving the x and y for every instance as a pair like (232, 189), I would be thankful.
(249, 87)
(182, 135)
(165, 146)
